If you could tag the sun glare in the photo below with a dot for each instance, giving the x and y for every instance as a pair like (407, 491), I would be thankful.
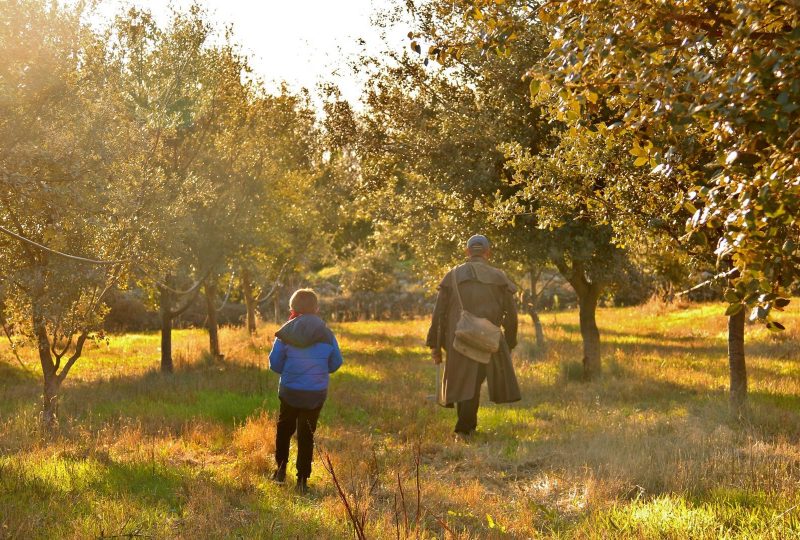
(302, 43)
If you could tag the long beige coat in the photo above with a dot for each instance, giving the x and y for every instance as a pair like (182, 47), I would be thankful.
(486, 292)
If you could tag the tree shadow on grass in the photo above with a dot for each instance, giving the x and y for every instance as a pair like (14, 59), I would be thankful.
(158, 498)
(781, 401)
(59, 484)
(776, 347)
(18, 389)
(13, 373)
(372, 386)
(647, 348)
(574, 328)
(223, 393)
(152, 482)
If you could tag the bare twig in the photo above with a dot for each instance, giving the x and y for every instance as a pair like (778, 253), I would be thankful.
(417, 453)
(439, 520)
(358, 523)
(396, 518)
(403, 501)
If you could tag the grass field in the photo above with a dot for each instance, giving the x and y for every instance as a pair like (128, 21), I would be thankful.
(648, 451)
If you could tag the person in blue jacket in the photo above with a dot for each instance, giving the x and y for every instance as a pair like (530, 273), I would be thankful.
(305, 353)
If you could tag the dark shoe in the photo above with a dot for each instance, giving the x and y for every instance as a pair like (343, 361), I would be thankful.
(279, 476)
(302, 486)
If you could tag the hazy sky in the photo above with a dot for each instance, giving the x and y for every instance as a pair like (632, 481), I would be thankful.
(300, 41)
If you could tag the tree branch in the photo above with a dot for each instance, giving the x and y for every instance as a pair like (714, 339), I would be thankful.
(59, 253)
(179, 311)
(74, 358)
(729, 273)
(274, 286)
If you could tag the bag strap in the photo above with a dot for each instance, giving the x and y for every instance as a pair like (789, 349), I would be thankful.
(455, 286)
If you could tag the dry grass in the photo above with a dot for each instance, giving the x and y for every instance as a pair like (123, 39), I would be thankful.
(648, 451)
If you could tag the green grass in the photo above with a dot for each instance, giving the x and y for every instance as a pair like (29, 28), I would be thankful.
(646, 451)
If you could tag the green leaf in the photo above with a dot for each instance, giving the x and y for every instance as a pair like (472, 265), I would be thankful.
(732, 297)
(733, 309)
(775, 326)
(535, 85)
(700, 238)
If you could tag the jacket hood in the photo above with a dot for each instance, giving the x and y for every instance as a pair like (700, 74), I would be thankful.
(304, 331)
(478, 269)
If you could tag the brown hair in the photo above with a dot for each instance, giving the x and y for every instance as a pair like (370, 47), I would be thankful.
(304, 301)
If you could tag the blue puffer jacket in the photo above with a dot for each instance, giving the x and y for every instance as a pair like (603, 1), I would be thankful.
(305, 352)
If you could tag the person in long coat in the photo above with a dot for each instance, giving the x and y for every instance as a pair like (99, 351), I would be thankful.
(486, 292)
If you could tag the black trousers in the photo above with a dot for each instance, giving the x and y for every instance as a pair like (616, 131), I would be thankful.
(468, 410)
(304, 421)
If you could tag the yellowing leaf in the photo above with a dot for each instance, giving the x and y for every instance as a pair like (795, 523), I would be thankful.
(641, 161)
(535, 86)
(544, 88)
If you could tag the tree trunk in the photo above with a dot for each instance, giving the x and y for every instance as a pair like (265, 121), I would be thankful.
(588, 294)
(52, 384)
(537, 323)
(49, 370)
(738, 369)
(587, 302)
(51, 381)
(249, 302)
(276, 304)
(165, 311)
(213, 327)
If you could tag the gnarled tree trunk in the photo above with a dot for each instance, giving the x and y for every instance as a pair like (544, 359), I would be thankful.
(588, 294)
(165, 300)
(50, 362)
(51, 381)
(587, 304)
(249, 302)
(211, 319)
(736, 359)
(50, 401)
(532, 311)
